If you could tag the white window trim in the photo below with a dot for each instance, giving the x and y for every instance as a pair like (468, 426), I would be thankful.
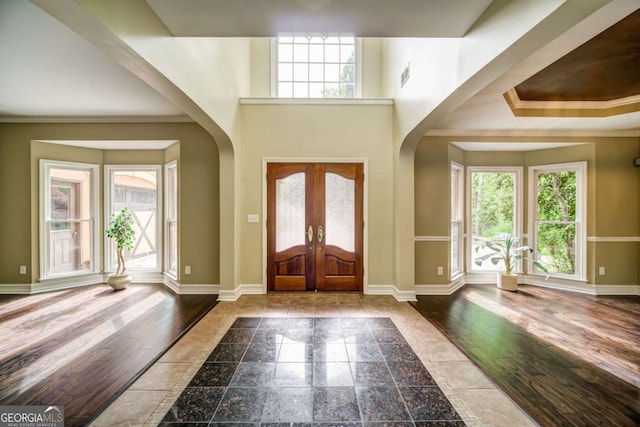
(274, 69)
(167, 167)
(45, 214)
(581, 216)
(108, 253)
(461, 220)
(518, 186)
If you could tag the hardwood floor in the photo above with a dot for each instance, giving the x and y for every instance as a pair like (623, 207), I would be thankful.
(567, 359)
(80, 348)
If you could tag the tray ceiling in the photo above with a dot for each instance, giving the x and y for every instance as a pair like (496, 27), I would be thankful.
(599, 78)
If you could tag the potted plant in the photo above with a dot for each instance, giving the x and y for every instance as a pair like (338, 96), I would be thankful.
(120, 229)
(506, 248)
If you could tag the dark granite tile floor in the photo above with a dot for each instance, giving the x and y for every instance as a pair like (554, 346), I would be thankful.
(312, 372)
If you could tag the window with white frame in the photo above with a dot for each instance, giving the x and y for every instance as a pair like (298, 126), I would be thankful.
(171, 218)
(457, 214)
(139, 189)
(558, 218)
(68, 230)
(495, 208)
(316, 67)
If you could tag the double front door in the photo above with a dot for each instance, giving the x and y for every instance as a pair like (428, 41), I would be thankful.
(314, 226)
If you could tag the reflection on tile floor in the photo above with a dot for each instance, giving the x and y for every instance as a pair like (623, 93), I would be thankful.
(336, 364)
(323, 370)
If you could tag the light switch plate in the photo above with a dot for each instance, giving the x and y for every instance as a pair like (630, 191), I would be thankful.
(253, 218)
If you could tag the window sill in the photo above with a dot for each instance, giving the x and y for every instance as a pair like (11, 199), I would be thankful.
(316, 101)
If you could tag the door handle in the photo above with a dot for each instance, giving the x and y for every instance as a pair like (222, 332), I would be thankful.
(310, 233)
(320, 234)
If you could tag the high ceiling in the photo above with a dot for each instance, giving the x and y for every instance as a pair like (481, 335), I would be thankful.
(597, 79)
(605, 68)
(50, 73)
(362, 18)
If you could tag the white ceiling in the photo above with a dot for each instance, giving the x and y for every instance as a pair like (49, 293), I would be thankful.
(48, 70)
(510, 146)
(117, 144)
(362, 18)
(487, 110)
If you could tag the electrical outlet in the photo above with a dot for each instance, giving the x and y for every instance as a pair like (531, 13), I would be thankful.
(23, 269)
(440, 271)
(601, 271)
(187, 269)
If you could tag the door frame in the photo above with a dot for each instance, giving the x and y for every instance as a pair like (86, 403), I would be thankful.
(365, 208)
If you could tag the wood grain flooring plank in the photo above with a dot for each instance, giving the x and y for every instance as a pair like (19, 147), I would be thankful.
(82, 347)
(565, 358)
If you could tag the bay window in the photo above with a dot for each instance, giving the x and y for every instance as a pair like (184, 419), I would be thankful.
(68, 229)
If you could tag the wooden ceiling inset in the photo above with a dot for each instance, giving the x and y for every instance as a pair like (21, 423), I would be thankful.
(599, 78)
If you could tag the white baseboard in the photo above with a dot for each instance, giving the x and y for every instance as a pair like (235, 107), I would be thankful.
(577, 286)
(617, 290)
(229, 295)
(146, 277)
(565, 285)
(380, 289)
(480, 278)
(448, 289)
(190, 289)
(58, 284)
(586, 288)
(201, 289)
(391, 290)
(252, 289)
(15, 289)
(246, 289)
(559, 284)
(172, 284)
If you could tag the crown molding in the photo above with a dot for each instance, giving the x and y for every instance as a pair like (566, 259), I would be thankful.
(96, 119)
(316, 101)
(614, 107)
(538, 133)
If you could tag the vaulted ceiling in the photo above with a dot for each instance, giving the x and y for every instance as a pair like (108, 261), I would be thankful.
(49, 71)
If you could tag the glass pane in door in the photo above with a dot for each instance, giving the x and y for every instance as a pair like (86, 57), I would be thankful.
(290, 211)
(340, 211)
(137, 189)
(493, 213)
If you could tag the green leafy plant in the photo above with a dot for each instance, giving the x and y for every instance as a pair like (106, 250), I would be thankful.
(120, 229)
(505, 248)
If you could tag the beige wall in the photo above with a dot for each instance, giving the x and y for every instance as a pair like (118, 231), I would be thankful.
(612, 202)
(15, 208)
(319, 132)
(617, 208)
(19, 156)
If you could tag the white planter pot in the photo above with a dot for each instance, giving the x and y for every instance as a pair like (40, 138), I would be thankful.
(119, 282)
(508, 283)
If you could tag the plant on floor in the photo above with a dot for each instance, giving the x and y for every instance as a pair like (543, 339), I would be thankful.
(120, 229)
(505, 248)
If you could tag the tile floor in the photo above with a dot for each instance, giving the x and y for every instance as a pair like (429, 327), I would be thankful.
(308, 365)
